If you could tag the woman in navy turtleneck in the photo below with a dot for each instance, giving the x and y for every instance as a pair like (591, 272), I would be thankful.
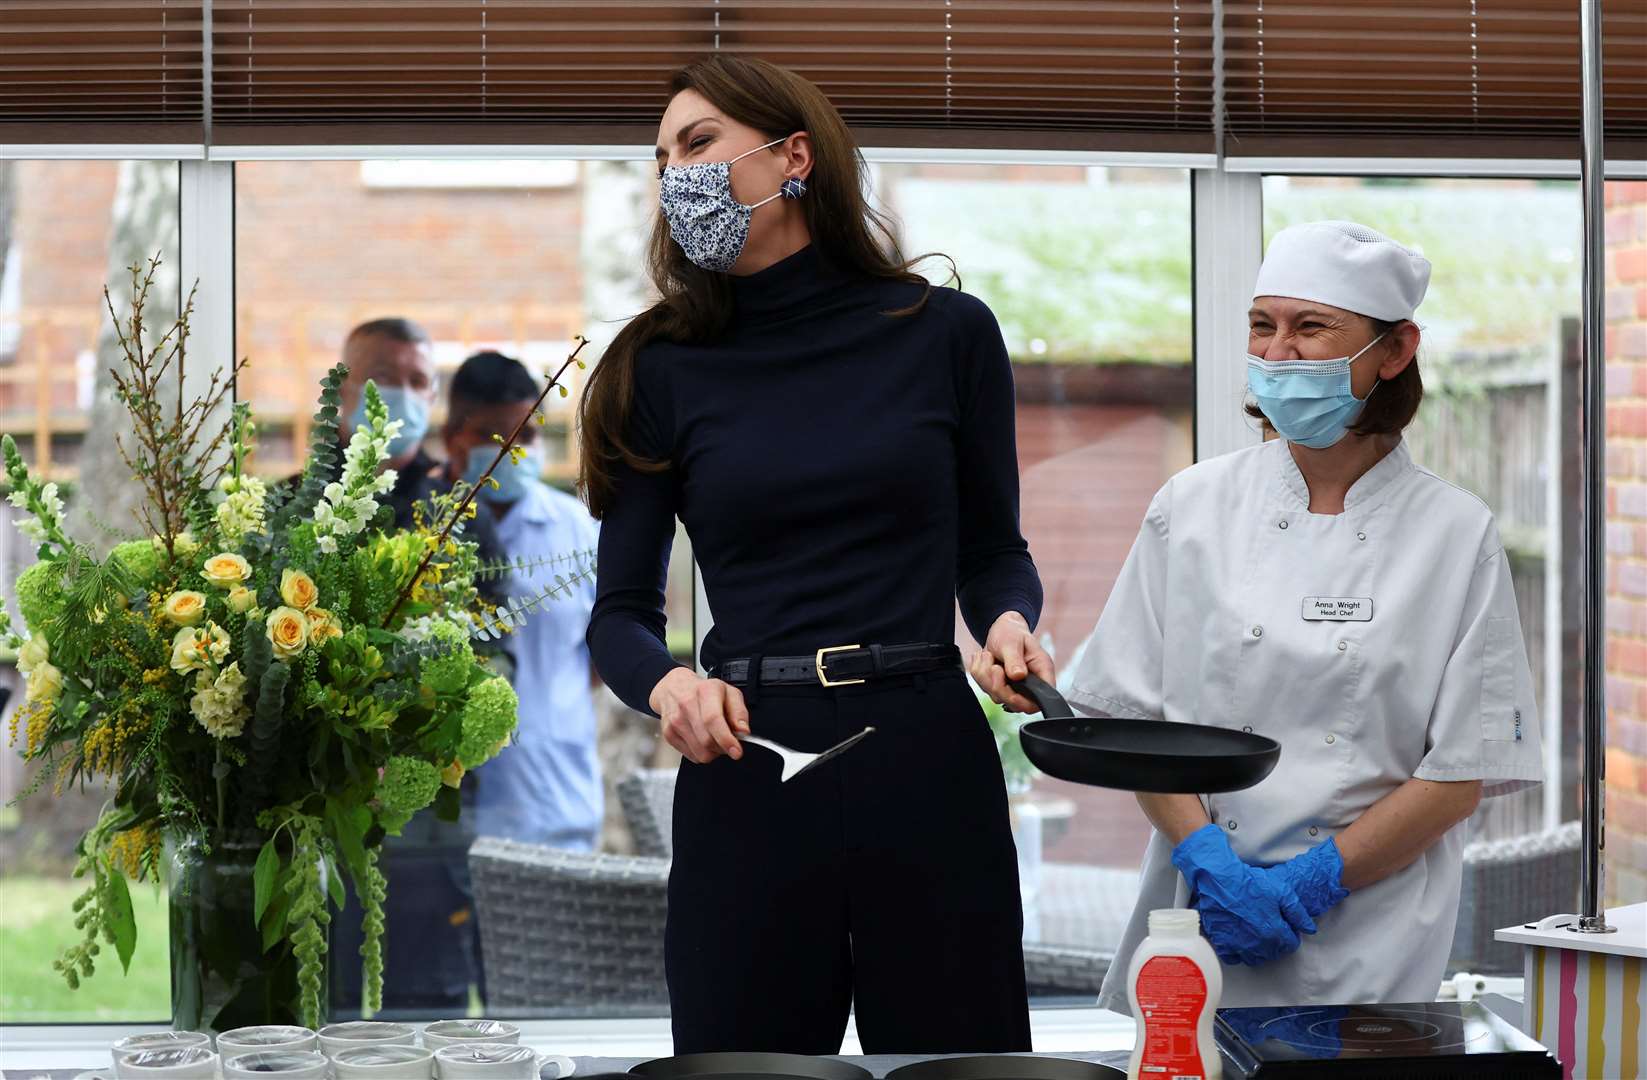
(837, 436)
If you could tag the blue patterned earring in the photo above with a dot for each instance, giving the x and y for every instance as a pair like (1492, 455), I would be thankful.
(793, 188)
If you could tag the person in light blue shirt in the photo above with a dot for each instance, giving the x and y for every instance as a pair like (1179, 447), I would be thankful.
(546, 787)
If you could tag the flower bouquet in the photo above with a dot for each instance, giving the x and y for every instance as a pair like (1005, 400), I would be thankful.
(268, 684)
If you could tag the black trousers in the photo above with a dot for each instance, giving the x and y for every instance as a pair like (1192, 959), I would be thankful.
(885, 880)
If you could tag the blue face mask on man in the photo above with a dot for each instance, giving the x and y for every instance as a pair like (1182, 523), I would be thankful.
(514, 478)
(1309, 402)
(404, 404)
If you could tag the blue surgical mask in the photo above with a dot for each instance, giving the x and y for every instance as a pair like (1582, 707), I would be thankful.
(408, 406)
(1309, 402)
(709, 224)
(514, 478)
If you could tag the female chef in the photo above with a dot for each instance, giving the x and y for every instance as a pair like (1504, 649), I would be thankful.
(1324, 590)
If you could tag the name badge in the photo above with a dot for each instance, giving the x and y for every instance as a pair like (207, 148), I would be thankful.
(1338, 608)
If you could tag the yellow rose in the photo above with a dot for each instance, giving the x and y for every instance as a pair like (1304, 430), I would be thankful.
(241, 599)
(33, 653)
(298, 589)
(185, 607)
(226, 570)
(45, 682)
(288, 631)
(452, 775)
(322, 625)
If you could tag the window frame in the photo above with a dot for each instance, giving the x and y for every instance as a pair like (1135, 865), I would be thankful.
(1226, 236)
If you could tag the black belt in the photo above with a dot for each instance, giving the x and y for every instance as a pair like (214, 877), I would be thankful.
(840, 665)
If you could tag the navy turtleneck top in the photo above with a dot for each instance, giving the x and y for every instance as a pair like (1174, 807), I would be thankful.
(845, 474)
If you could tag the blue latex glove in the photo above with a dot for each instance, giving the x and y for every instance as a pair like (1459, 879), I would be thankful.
(1248, 915)
(1315, 876)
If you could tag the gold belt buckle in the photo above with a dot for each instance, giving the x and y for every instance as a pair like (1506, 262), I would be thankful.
(818, 662)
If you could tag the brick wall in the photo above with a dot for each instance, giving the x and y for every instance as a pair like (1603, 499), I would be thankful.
(1626, 239)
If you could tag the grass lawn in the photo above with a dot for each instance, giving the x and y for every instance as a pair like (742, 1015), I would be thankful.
(36, 923)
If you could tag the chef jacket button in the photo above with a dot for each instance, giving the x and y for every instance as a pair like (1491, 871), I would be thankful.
(1283, 524)
(1314, 831)
(1343, 646)
(1360, 536)
(1248, 729)
(1518, 714)
(1258, 631)
(1332, 739)
(1232, 826)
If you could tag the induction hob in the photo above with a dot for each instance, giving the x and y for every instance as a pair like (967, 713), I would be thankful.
(1389, 1042)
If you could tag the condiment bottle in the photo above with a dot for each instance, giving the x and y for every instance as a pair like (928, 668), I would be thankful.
(1173, 986)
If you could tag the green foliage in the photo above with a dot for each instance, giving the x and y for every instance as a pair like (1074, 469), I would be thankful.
(513, 615)
(407, 785)
(451, 662)
(488, 720)
(202, 728)
(103, 912)
(264, 731)
(264, 873)
(40, 595)
(141, 558)
(1015, 764)
(373, 890)
(322, 464)
(121, 920)
(91, 591)
(307, 917)
(526, 566)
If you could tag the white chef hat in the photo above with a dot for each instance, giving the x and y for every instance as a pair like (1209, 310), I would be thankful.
(1346, 265)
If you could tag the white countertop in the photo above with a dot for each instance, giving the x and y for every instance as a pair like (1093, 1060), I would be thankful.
(29, 1049)
(1630, 938)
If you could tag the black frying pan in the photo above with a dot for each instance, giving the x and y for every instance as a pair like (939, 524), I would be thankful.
(1140, 755)
(751, 1067)
(1006, 1067)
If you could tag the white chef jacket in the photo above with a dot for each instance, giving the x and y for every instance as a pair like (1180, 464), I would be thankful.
(1217, 618)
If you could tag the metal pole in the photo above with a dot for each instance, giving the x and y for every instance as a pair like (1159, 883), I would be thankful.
(1591, 178)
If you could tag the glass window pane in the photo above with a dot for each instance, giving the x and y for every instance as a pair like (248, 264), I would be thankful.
(1088, 273)
(66, 229)
(516, 257)
(1500, 365)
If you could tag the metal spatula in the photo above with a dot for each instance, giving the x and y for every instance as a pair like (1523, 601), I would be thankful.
(796, 762)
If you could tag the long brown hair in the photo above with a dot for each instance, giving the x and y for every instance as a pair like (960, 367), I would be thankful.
(695, 305)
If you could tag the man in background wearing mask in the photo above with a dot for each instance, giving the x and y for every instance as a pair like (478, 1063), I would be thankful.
(432, 949)
(546, 788)
(398, 356)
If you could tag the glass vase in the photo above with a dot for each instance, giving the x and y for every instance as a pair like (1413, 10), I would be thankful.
(222, 977)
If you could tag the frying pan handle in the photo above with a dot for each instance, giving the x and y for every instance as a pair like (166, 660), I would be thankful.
(1052, 703)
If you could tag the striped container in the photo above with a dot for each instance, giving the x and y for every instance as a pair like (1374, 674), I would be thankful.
(1586, 995)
